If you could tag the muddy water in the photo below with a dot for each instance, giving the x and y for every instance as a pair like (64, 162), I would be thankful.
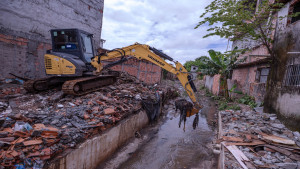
(171, 147)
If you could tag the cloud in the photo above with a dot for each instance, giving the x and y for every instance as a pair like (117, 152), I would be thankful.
(167, 25)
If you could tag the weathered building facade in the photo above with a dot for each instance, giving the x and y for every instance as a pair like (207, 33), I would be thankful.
(283, 88)
(274, 81)
(250, 77)
(25, 25)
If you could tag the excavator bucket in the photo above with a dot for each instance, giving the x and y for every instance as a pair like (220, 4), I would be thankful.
(187, 109)
(192, 112)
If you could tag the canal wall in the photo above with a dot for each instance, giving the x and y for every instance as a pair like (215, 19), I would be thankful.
(96, 150)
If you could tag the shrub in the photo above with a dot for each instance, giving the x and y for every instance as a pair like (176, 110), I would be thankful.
(248, 100)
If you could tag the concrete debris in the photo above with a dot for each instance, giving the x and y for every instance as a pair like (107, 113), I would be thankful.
(261, 138)
(38, 127)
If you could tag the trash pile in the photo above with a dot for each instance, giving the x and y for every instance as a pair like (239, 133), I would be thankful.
(258, 140)
(37, 127)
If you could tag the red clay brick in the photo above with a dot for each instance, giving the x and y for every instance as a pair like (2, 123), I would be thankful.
(148, 79)
(149, 67)
(133, 62)
(156, 68)
(117, 68)
(143, 76)
(143, 66)
(131, 70)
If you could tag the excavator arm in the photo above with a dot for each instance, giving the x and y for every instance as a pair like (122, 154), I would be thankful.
(155, 56)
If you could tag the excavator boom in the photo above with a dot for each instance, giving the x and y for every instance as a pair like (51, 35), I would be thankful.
(141, 51)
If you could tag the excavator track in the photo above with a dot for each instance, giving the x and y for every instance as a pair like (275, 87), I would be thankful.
(29, 86)
(38, 85)
(86, 85)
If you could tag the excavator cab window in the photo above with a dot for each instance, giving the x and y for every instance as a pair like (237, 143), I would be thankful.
(87, 46)
(64, 40)
(74, 42)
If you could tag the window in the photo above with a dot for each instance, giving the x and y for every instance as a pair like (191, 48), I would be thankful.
(296, 8)
(87, 47)
(293, 75)
(65, 40)
(262, 75)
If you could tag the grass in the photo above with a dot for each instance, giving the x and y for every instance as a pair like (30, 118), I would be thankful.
(224, 104)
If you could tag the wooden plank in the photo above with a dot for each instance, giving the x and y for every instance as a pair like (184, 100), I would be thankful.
(294, 147)
(221, 164)
(253, 143)
(236, 139)
(222, 158)
(277, 139)
(220, 126)
(290, 154)
(238, 155)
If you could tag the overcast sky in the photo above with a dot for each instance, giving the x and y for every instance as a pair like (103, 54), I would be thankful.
(164, 24)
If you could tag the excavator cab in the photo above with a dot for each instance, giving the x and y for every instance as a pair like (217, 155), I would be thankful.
(71, 54)
(73, 41)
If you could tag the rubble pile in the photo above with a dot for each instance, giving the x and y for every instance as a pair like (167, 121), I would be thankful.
(37, 127)
(258, 140)
(10, 87)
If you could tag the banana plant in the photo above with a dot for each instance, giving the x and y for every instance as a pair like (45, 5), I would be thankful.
(223, 64)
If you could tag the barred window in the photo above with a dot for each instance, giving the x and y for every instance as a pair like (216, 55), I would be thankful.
(293, 75)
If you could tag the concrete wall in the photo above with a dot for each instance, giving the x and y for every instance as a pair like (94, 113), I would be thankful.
(142, 69)
(25, 25)
(281, 99)
(94, 151)
(209, 81)
(213, 83)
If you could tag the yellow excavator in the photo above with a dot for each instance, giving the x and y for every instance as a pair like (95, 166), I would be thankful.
(72, 63)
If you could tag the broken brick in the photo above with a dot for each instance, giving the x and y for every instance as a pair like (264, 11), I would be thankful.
(100, 102)
(9, 130)
(39, 126)
(32, 142)
(86, 116)
(109, 111)
(49, 134)
(70, 125)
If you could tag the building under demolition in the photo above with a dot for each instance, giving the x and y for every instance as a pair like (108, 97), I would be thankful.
(25, 36)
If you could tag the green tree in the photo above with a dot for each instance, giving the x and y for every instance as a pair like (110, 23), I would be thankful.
(242, 19)
(197, 62)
